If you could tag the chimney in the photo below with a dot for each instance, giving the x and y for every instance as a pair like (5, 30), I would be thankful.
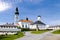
(39, 18)
(27, 19)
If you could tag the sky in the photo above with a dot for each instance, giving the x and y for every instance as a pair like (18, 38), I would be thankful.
(49, 10)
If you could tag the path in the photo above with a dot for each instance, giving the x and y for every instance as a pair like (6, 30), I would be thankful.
(29, 36)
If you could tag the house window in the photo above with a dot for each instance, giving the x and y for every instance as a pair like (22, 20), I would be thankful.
(14, 27)
(4, 26)
(1, 26)
(9, 26)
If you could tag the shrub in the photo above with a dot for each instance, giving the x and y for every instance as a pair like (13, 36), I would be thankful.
(18, 27)
(27, 29)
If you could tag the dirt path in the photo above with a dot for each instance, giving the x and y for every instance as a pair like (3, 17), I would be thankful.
(29, 36)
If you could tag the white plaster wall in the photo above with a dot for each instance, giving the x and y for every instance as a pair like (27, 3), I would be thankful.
(24, 23)
(12, 33)
(32, 27)
(54, 28)
(20, 24)
(3, 33)
(39, 26)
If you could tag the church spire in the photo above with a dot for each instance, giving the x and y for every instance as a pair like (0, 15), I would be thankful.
(16, 18)
(39, 18)
(16, 8)
(17, 11)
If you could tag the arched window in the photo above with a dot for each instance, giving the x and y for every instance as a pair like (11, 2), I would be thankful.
(26, 26)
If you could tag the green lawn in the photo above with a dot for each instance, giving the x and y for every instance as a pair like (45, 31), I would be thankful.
(56, 32)
(11, 37)
(39, 32)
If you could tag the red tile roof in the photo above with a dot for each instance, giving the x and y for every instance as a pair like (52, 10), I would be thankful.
(25, 21)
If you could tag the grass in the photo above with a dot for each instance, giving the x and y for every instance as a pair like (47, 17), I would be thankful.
(11, 37)
(39, 32)
(56, 32)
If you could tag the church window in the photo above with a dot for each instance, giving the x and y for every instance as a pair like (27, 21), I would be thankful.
(26, 26)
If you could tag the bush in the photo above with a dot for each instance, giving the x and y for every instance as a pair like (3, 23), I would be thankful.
(27, 29)
(49, 29)
(24, 29)
(19, 27)
(32, 29)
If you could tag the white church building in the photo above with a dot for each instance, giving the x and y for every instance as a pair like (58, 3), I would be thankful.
(25, 23)
(38, 24)
(32, 25)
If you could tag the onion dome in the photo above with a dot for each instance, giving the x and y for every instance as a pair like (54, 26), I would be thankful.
(17, 11)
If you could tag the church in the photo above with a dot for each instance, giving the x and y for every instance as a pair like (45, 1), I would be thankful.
(38, 24)
(26, 23)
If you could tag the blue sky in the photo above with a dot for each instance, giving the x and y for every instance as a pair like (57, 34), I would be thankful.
(49, 10)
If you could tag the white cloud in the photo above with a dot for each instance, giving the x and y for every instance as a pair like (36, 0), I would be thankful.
(4, 6)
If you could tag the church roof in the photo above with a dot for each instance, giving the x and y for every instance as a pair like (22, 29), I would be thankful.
(39, 16)
(25, 21)
(39, 22)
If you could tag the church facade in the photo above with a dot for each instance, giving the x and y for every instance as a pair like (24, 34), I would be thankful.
(26, 23)
(38, 24)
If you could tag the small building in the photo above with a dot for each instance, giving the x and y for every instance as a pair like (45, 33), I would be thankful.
(8, 29)
(38, 24)
(25, 23)
(56, 27)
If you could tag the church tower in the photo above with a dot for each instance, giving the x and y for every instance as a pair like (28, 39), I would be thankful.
(16, 16)
(39, 18)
